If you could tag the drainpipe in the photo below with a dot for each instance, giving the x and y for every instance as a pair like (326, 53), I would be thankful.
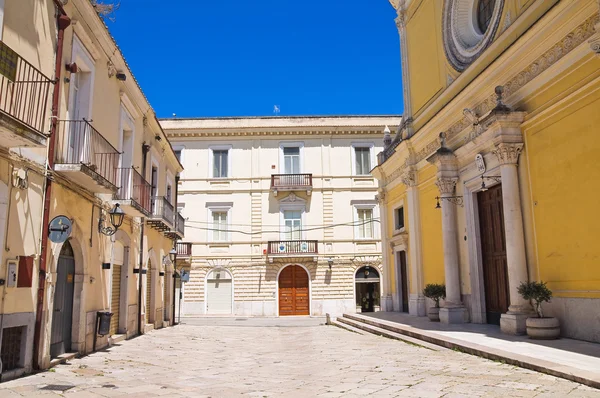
(145, 150)
(177, 177)
(63, 22)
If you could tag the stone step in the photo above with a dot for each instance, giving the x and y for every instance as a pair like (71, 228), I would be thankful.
(359, 324)
(347, 327)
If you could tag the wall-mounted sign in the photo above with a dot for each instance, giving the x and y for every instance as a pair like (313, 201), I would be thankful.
(59, 229)
(185, 276)
(480, 163)
(8, 62)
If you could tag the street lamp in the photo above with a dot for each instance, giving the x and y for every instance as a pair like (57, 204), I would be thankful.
(173, 255)
(116, 215)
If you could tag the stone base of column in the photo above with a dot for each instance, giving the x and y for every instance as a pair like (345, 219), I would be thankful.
(453, 315)
(417, 306)
(387, 303)
(513, 323)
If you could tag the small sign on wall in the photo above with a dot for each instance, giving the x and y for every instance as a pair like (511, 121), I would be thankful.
(480, 163)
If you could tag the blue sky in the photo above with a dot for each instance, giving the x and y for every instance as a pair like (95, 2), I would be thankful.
(240, 58)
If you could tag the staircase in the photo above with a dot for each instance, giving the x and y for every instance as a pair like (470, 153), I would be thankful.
(362, 324)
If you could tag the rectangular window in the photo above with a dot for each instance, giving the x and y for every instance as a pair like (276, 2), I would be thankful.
(293, 224)
(365, 223)
(220, 233)
(400, 218)
(291, 159)
(363, 160)
(220, 159)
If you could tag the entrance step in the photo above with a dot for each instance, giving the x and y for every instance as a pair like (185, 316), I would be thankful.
(116, 338)
(62, 358)
(148, 327)
(345, 326)
(361, 324)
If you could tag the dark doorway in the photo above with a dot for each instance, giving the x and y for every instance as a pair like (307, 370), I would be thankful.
(62, 316)
(402, 276)
(367, 289)
(493, 250)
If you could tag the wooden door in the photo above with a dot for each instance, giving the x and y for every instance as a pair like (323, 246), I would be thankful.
(294, 292)
(403, 280)
(62, 317)
(493, 250)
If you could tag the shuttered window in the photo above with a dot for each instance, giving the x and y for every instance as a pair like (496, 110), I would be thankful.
(219, 226)
(220, 159)
(365, 223)
(363, 160)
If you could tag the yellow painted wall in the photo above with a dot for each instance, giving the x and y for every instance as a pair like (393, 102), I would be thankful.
(431, 235)
(563, 158)
(395, 196)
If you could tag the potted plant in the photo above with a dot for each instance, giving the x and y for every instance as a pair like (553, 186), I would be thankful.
(539, 327)
(435, 292)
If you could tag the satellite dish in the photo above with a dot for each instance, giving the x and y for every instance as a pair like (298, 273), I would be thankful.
(59, 229)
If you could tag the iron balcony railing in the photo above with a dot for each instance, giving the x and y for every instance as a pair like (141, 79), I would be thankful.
(184, 249)
(133, 186)
(24, 90)
(290, 181)
(78, 142)
(293, 247)
(162, 208)
(180, 224)
(388, 152)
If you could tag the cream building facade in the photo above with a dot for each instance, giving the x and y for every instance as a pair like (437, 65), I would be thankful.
(79, 140)
(281, 214)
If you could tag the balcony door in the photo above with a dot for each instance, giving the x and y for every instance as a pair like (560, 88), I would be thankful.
(291, 160)
(292, 224)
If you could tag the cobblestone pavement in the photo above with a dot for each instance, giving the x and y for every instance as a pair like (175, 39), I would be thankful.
(286, 360)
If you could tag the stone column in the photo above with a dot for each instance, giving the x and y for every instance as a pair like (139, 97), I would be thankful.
(386, 304)
(513, 322)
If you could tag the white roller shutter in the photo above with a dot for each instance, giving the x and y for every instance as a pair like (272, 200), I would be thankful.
(218, 292)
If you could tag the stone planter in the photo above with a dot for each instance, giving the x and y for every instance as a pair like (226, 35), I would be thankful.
(434, 314)
(543, 328)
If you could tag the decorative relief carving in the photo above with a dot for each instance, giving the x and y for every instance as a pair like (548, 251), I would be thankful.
(446, 185)
(508, 153)
(409, 178)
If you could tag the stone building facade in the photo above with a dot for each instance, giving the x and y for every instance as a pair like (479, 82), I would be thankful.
(281, 214)
(491, 166)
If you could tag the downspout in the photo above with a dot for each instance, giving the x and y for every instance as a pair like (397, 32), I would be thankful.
(177, 177)
(63, 22)
(145, 150)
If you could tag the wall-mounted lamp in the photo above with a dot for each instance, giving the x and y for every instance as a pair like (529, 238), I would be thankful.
(157, 137)
(72, 67)
(121, 76)
(173, 255)
(456, 200)
(493, 178)
(116, 215)
(330, 262)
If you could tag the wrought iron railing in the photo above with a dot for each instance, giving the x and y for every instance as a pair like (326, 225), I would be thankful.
(133, 186)
(184, 249)
(162, 208)
(180, 223)
(24, 90)
(78, 142)
(388, 151)
(280, 181)
(293, 247)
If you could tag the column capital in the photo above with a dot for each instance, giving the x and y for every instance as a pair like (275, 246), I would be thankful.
(409, 178)
(508, 153)
(446, 185)
(380, 197)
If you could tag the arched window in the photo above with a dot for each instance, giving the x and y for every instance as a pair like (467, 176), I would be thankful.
(485, 9)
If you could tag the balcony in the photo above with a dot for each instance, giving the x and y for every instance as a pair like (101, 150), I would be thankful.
(24, 100)
(178, 232)
(162, 214)
(184, 250)
(291, 182)
(86, 157)
(134, 193)
(292, 248)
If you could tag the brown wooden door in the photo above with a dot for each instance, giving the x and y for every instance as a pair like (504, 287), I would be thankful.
(293, 291)
(404, 280)
(493, 250)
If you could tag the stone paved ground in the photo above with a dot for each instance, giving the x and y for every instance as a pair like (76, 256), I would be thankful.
(289, 358)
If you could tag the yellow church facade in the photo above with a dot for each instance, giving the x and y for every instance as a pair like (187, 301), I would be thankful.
(491, 179)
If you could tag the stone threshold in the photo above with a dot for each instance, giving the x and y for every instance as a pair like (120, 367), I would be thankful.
(62, 359)
(476, 340)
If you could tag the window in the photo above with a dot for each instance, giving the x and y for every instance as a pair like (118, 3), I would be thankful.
(485, 10)
(220, 163)
(293, 224)
(169, 193)
(291, 159)
(178, 154)
(399, 217)
(362, 160)
(365, 223)
(220, 227)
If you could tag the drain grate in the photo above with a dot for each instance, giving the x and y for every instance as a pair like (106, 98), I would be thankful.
(109, 386)
(57, 387)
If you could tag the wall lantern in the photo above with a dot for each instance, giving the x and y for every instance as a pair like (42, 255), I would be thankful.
(173, 255)
(493, 178)
(330, 262)
(456, 200)
(116, 215)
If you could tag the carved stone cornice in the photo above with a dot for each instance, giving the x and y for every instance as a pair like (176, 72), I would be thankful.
(508, 153)
(446, 185)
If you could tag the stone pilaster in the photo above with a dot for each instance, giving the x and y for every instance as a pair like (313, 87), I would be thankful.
(513, 322)
(387, 303)
(401, 25)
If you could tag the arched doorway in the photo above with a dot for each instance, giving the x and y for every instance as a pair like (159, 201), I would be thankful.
(62, 315)
(294, 291)
(367, 289)
(219, 292)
